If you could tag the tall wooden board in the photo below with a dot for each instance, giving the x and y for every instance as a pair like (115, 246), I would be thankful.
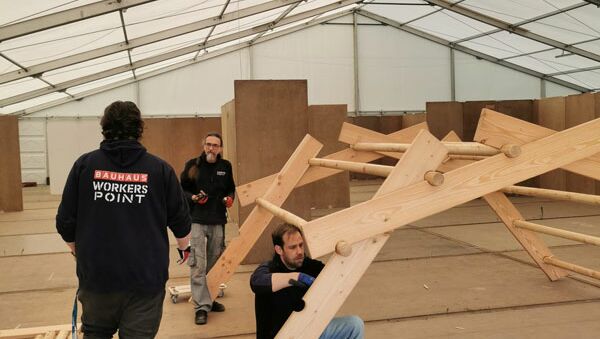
(579, 109)
(443, 117)
(551, 114)
(11, 192)
(324, 124)
(471, 113)
(270, 121)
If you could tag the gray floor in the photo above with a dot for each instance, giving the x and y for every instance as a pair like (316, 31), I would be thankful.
(458, 274)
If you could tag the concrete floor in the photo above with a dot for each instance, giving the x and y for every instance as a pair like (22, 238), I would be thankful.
(458, 274)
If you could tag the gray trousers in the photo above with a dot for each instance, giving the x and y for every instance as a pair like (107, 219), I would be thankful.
(207, 244)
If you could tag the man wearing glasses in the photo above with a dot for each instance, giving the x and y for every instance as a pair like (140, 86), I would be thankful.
(208, 184)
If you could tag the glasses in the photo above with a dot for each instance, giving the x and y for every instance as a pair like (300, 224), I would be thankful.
(209, 145)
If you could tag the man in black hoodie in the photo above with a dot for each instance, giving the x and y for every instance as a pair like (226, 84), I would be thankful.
(208, 184)
(116, 206)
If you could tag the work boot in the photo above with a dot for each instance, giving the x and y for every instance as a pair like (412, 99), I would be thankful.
(217, 307)
(201, 317)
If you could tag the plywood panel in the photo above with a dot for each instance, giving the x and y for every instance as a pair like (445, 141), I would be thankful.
(579, 109)
(520, 109)
(324, 124)
(270, 121)
(11, 197)
(443, 117)
(551, 114)
(471, 113)
(413, 119)
(177, 139)
(597, 110)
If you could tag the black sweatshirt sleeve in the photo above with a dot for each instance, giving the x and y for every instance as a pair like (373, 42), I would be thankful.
(230, 191)
(187, 183)
(260, 281)
(178, 215)
(66, 217)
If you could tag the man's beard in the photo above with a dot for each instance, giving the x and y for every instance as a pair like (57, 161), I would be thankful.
(210, 157)
(294, 264)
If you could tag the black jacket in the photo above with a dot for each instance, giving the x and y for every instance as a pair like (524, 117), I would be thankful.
(216, 180)
(116, 206)
(273, 309)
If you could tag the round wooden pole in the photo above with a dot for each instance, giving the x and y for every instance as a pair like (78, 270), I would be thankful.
(572, 267)
(584, 238)
(454, 148)
(434, 178)
(511, 150)
(358, 167)
(554, 194)
(343, 248)
(281, 213)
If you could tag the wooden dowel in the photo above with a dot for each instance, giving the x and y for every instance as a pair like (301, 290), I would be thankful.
(454, 148)
(343, 248)
(281, 213)
(554, 194)
(467, 157)
(572, 267)
(584, 238)
(511, 150)
(358, 167)
(434, 178)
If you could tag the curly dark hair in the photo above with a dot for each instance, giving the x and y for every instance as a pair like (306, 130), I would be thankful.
(122, 120)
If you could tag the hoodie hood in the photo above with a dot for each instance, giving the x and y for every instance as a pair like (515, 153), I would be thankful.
(123, 153)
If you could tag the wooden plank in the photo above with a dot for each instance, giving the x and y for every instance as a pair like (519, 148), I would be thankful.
(496, 129)
(551, 114)
(579, 109)
(31, 332)
(341, 274)
(248, 193)
(259, 218)
(443, 117)
(530, 241)
(324, 123)
(461, 185)
(11, 192)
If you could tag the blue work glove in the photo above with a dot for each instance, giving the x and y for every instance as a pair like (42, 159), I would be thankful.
(306, 279)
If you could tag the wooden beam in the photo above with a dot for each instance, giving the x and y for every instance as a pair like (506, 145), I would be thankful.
(30, 332)
(589, 199)
(584, 238)
(342, 273)
(454, 148)
(352, 166)
(530, 241)
(461, 185)
(507, 212)
(248, 193)
(280, 213)
(496, 129)
(259, 218)
(572, 267)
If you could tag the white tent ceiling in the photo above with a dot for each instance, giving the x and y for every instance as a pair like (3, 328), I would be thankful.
(59, 49)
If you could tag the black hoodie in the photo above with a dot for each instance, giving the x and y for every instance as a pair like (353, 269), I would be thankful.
(216, 180)
(116, 206)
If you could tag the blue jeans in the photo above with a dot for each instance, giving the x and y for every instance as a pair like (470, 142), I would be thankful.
(351, 327)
